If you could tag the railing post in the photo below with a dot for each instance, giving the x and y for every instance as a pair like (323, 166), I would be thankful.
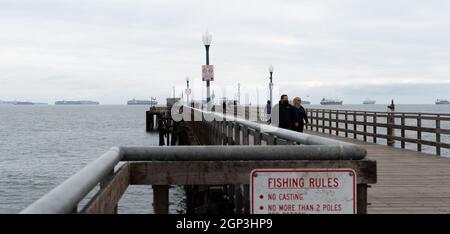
(329, 123)
(246, 199)
(365, 127)
(218, 132)
(238, 198)
(337, 123)
(270, 139)
(311, 119)
(160, 199)
(390, 130)
(230, 133)
(247, 113)
(258, 119)
(323, 120)
(245, 135)
(105, 182)
(237, 134)
(402, 131)
(346, 123)
(361, 198)
(224, 132)
(438, 135)
(375, 128)
(257, 137)
(419, 132)
(317, 120)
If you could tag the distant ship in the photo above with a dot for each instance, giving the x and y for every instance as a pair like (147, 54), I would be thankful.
(142, 102)
(368, 101)
(23, 103)
(330, 102)
(442, 102)
(8, 102)
(76, 103)
(306, 102)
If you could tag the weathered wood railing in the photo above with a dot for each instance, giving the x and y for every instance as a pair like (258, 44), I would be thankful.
(391, 126)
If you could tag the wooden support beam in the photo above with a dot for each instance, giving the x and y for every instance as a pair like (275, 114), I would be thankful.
(232, 172)
(161, 199)
(106, 200)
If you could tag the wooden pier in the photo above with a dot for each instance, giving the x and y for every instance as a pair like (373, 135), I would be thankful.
(408, 181)
(215, 167)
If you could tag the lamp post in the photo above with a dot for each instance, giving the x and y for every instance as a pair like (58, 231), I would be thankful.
(207, 38)
(239, 94)
(271, 84)
(188, 91)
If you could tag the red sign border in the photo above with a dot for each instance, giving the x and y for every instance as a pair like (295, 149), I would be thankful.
(305, 170)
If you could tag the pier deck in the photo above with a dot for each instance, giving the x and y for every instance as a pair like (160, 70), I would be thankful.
(408, 181)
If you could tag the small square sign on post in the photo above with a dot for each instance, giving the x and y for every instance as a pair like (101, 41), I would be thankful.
(303, 191)
(208, 72)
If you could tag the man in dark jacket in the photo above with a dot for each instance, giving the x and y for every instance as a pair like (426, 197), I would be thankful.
(301, 115)
(287, 117)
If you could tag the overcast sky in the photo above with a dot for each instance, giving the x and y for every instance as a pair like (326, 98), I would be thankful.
(112, 51)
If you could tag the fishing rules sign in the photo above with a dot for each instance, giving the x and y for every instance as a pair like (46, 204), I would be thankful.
(303, 191)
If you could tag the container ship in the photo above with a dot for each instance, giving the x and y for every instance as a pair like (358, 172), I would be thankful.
(23, 103)
(368, 101)
(326, 101)
(142, 102)
(442, 102)
(304, 102)
(76, 103)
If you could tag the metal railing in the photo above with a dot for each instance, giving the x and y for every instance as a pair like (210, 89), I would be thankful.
(229, 129)
(430, 129)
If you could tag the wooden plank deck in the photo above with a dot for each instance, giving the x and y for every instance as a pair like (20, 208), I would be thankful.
(408, 181)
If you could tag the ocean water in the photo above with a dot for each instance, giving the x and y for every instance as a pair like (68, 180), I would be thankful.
(41, 146)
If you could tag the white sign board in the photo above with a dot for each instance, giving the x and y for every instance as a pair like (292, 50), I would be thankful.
(208, 72)
(303, 191)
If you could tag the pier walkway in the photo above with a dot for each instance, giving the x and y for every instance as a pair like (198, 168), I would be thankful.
(408, 181)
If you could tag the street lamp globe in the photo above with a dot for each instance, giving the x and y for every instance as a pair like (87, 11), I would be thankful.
(207, 38)
(271, 68)
(187, 79)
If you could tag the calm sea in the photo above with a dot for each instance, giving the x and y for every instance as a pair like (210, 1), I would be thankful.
(41, 146)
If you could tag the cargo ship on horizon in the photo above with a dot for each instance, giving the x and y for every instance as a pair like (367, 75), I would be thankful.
(304, 102)
(442, 102)
(63, 102)
(152, 102)
(326, 101)
(368, 101)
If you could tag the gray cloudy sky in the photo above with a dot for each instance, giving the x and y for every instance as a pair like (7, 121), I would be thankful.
(112, 51)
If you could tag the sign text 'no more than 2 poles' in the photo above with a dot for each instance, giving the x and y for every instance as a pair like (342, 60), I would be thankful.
(298, 191)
